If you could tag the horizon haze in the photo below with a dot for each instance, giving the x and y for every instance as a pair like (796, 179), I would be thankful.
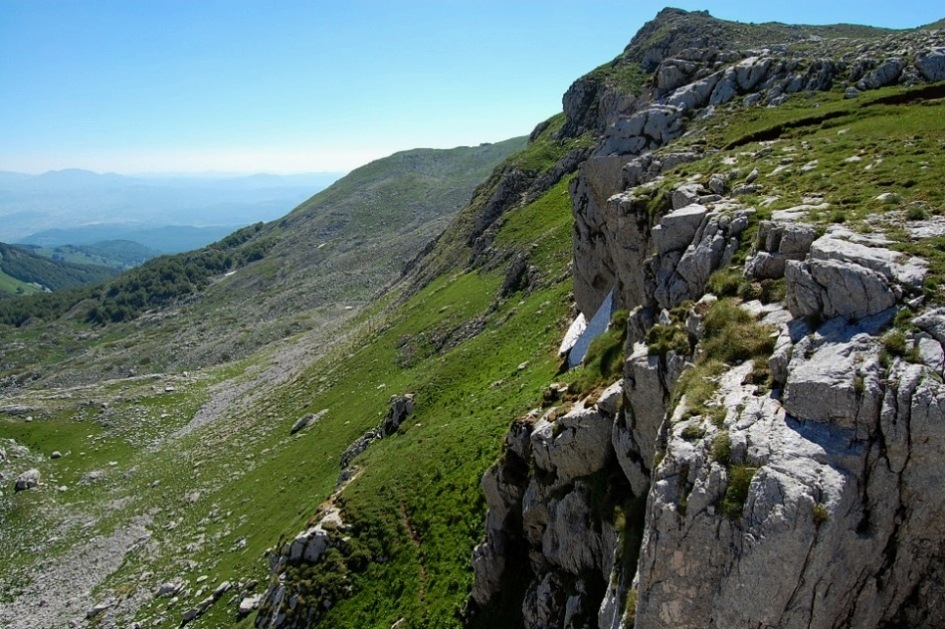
(246, 86)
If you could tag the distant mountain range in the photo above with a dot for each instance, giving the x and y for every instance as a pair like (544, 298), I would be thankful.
(109, 206)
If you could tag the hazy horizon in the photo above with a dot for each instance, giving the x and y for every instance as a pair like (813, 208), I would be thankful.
(245, 86)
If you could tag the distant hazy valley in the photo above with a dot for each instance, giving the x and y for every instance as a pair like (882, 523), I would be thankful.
(168, 213)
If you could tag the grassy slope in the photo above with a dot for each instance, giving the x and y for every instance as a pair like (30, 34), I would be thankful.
(427, 475)
(888, 141)
(27, 267)
(334, 251)
(118, 254)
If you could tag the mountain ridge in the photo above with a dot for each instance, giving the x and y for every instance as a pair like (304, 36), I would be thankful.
(725, 200)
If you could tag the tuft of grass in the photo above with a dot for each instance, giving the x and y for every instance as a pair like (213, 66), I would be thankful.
(894, 343)
(698, 384)
(693, 432)
(630, 608)
(916, 213)
(739, 481)
(725, 282)
(722, 448)
(731, 335)
(662, 339)
(605, 356)
(820, 514)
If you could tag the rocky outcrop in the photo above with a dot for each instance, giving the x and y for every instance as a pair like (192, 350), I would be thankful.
(281, 604)
(27, 480)
(400, 407)
(802, 432)
(554, 519)
(288, 601)
(835, 471)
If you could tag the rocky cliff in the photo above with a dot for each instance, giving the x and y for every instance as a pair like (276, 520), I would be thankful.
(766, 214)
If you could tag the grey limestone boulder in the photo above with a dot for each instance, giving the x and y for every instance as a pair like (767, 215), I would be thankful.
(573, 445)
(835, 379)
(931, 65)
(307, 420)
(886, 74)
(571, 540)
(309, 545)
(676, 229)
(841, 278)
(27, 480)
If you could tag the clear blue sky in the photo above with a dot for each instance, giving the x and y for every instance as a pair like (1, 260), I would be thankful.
(297, 86)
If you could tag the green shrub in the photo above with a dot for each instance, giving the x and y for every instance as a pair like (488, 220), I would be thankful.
(820, 514)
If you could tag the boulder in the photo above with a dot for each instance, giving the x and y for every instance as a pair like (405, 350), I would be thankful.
(27, 480)
(850, 290)
(574, 445)
(886, 74)
(248, 604)
(309, 545)
(572, 539)
(835, 377)
(307, 420)
(676, 229)
(931, 65)
(170, 588)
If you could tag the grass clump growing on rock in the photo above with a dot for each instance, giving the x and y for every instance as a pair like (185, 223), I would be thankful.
(732, 335)
(662, 339)
(820, 514)
(722, 447)
(739, 480)
(605, 356)
(699, 384)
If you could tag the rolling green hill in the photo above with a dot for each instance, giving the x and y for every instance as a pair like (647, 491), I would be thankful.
(117, 254)
(28, 268)
(312, 268)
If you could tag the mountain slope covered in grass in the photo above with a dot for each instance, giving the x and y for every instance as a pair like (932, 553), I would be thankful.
(263, 283)
(118, 254)
(40, 273)
(332, 475)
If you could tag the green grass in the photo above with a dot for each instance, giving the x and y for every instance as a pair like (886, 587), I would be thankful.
(417, 501)
(736, 493)
(604, 360)
(14, 286)
(545, 150)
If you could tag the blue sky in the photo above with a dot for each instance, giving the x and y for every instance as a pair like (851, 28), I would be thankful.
(290, 86)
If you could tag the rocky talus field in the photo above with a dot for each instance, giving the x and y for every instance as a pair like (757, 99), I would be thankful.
(737, 234)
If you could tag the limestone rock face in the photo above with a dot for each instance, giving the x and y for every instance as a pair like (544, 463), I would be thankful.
(574, 445)
(809, 507)
(801, 488)
(931, 65)
(549, 522)
(840, 278)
